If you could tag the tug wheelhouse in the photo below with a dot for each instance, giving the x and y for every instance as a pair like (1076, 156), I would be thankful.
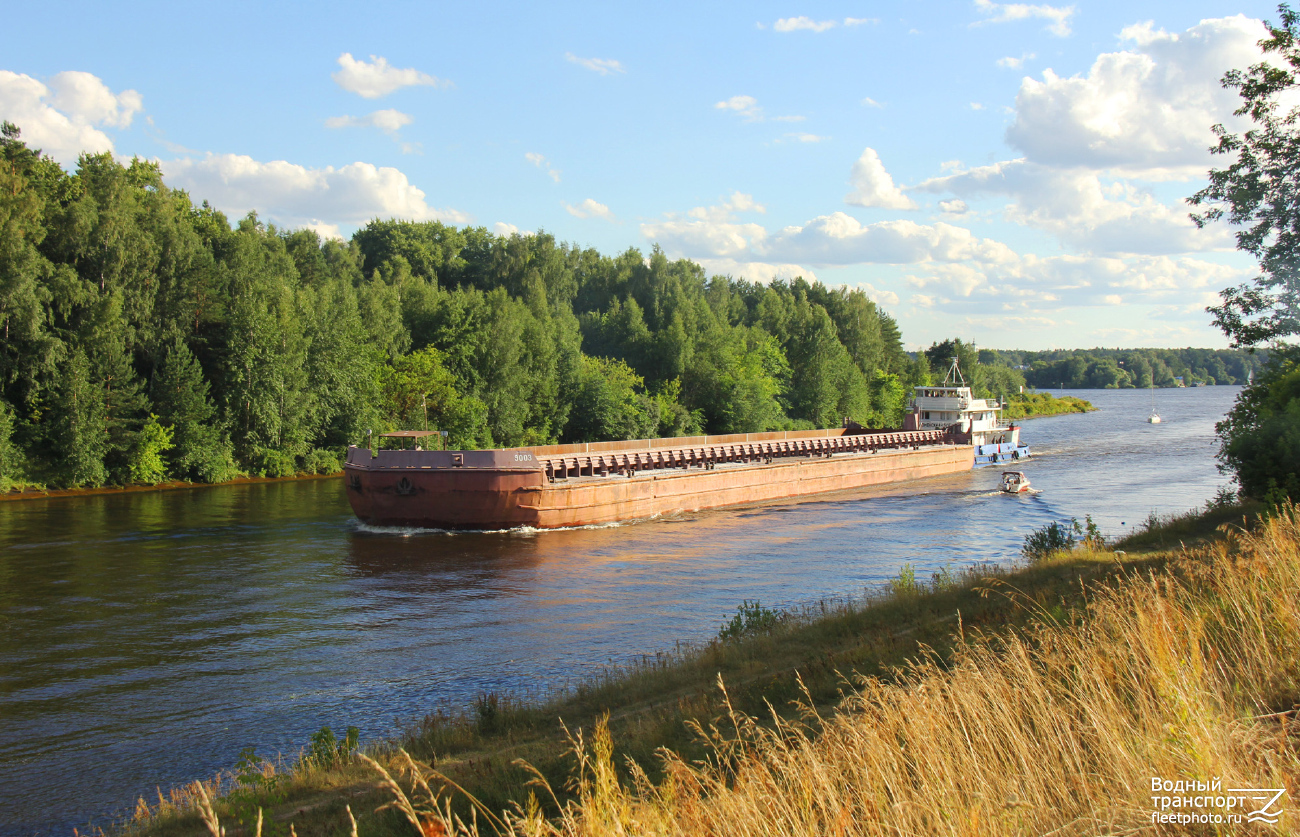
(952, 406)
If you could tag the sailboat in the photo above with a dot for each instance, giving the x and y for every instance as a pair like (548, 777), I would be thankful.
(1154, 418)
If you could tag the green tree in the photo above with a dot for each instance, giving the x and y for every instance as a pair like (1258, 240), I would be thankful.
(29, 353)
(420, 393)
(888, 400)
(1254, 192)
(263, 355)
(10, 456)
(941, 355)
(151, 443)
(80, 428)
(1261, 435)
(200, 449)
(611, 404)
(1260, 439)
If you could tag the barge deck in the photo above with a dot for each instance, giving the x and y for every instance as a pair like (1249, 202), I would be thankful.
(557, 486)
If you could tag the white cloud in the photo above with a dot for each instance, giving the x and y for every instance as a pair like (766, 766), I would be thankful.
(295, 195)
(501, 228)
(324, 230)
(590, 209)
(389, 121)
(840, 239)
(755, 271)
(741, 202)
(870, 102)
(1059, 16)
(880, 297)
(711, 232)
(976, 106)
(604, 66)
(1148, 110)
(956, 206)
(1083, 209)
(794, 24)
(1011, 63)
(544, 164)
(376, 78)
(746, 106)
(830, 240)
(60, 118)
(86, 97)
(872, 185)
(1034, 285)
(859, 21)
(806, 137)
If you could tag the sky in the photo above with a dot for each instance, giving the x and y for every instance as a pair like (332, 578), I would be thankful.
(1010, 174)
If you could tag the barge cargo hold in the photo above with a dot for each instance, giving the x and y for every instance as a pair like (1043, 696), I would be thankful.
(547, 487)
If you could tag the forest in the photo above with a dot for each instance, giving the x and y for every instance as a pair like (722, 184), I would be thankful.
(144, 337)
(1122, 368)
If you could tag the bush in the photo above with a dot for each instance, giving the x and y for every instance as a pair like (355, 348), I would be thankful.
(905, 583)
(321, 461)
(750, 618)
(269, 462)
(1051, 538)
(147, 465)
(327, 751)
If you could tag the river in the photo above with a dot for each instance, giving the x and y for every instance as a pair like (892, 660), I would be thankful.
(146, 638)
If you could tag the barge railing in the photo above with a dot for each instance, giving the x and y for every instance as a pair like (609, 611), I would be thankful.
(630, 463)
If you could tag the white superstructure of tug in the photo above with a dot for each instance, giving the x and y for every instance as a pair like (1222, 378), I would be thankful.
(952, 406)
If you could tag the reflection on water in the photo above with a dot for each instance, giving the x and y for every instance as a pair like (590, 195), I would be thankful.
(146, 638)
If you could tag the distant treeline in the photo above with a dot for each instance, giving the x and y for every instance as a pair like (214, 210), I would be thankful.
(1119, 368)
(143, 338)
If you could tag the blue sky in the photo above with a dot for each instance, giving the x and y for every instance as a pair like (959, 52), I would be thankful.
(1012, 174)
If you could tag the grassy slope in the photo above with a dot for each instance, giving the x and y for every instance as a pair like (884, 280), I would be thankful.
(809, 658)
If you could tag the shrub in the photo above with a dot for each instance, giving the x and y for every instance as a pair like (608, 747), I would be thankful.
(1053, 537)
(750, 618)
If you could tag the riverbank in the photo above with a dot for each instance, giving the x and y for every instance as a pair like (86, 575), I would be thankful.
(1020, 407)
(944, 636)
(40, 493)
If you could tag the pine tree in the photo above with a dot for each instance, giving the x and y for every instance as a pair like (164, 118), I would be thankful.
(80, 431)
(9, 455)
(180, 396)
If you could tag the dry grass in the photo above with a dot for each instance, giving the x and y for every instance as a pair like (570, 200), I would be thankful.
(1189, 673)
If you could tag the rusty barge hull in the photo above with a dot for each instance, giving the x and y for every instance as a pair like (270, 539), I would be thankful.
(556, 486)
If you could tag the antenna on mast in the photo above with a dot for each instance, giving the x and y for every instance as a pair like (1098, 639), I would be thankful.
(954, 375)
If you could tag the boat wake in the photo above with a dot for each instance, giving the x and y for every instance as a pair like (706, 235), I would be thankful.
(412, 531)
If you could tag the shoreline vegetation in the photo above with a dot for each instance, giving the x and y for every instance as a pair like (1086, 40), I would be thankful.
(1028, 699)
(1020, 407)
(40, 492)
(1032, 405)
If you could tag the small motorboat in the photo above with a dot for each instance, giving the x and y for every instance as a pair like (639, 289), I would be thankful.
(1015, 482)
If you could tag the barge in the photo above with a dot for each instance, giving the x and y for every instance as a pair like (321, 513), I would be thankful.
(554, 486)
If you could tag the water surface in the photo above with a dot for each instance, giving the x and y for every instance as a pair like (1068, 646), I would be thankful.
(146, 638)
